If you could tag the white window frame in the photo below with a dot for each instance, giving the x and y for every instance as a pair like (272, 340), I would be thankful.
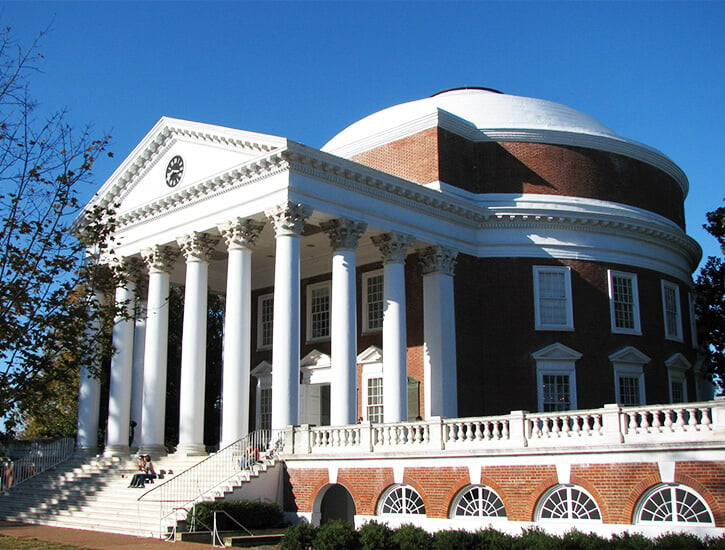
(369, 372)
(677, 365)
(677, 334)
(570, 504)
(629, 362)
(568, 323)
(366, 304)
(263, 374)
(261, 344)
(310, 289)
(693, 320)
(632, 277)
(556, 360)
(674, 509)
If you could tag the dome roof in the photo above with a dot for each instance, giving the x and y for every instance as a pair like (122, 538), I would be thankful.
(484, 108)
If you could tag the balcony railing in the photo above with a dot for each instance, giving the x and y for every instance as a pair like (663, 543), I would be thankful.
(692, 423)
(25, 459)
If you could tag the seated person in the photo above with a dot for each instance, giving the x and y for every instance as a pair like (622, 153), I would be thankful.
(146, 472)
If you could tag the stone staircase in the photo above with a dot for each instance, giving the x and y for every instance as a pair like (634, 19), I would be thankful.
(93, 494)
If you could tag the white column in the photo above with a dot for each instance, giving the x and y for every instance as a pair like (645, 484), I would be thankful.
(159, 260)
(196, 247)
(120, 381)
(240, 236)
(393, 247)
(89, 398)
(288, 221)
(139, 345)
(344, 235)
(439, 332)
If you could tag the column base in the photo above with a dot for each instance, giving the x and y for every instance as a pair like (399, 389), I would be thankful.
(86, 451)
(116, 450)
(191, 449)
(155, 450)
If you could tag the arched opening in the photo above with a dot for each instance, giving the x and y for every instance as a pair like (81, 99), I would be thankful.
(337, 503)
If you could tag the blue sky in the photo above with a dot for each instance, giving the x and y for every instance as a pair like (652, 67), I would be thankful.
(651, 71)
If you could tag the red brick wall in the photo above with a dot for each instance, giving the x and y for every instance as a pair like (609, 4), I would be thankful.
(708, 479)
(365, 485)
(519, 487)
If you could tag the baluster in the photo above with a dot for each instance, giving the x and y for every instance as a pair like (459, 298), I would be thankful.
(565, 424)
(469, 431)
(645, 419)
(692, 417)
(505, 430)
(679, 418)
(576, 426)
(545, 426)
(668, 419)
(705, 414)
(496, 430)
(481, 435)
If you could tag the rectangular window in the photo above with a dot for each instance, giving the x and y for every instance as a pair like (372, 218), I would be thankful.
(373, 303)
(556, 392)
(624, 302)
(265, 409)
(553, 302)
(678, 391)
(375, 400)
(629, 391)
(265, 322)
(318, 311)
(671, 311)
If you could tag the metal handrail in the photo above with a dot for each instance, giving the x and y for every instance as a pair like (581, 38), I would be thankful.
(202, 481)
(215, 533)
(39, 456)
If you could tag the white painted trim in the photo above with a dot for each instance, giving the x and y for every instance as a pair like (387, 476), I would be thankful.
(632, 278)
(565, 271)
(677, 336)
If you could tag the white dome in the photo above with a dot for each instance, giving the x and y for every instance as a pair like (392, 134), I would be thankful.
(483, 108)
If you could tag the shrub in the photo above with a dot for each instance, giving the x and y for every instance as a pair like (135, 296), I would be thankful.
(576, 540)
(376, 536)
(627, 541)
(537, 539)
(490, 539)
(410, 537)
(679, 541)
(251, 514)
(716, 543)
(336, 535)
(299, 536)
(460, 540)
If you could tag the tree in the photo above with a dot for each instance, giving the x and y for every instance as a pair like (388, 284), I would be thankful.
(47, 285)
(710, 304)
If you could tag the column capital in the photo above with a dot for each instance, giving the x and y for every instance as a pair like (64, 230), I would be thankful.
(344, 234)
(289, 218)
(393, 246)
(438, 259)
(128, 269)
(159, 258)
(197, 247)
(240, 233)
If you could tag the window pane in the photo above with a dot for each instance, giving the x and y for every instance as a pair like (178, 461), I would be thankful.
(552, 298)
(629, 390)
(623, 296)
(265, 408)
(672, 315)
(375, 400)
(320, 312)
(266, 319)
(556, 392)
(374, 301)
(678, 392)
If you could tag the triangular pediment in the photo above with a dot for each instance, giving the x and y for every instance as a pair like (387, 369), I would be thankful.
(153, 173)
(373, 354)
(629, 355)
(678, 362)
(315, 359)
(556, 352)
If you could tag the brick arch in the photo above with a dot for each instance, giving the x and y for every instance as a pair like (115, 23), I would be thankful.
(366, 485)
(419, 488)
(635, 494)
(537, 493)
(715, 504)
(453, 492)
(595, 494)
(500, 491)
(319, 495)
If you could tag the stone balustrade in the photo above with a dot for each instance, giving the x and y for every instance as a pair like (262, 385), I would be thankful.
(691, 424)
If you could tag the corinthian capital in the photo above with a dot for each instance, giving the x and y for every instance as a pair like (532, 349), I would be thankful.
(344, 234)
(438, 259)
(159, 258)
(197, 247)
(393, 246)
(240, 233)
(289, 218)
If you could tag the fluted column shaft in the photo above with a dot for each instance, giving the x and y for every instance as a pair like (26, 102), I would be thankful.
(288, 221)
(393, 247)
(119, 391)
(240, 236)
(344, 235)
(196, 248)
(159, 260)
(439, 333)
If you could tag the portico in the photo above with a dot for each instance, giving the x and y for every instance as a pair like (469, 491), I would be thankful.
(251, 212)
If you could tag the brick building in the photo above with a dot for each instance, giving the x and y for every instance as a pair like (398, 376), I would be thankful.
(464, 255)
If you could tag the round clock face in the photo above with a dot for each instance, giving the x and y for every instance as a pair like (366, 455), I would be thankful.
(174, 171)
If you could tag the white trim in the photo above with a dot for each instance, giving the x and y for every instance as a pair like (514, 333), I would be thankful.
(632, 278)
(565, 271)
(669, 335)
(677, 365)
(365, 304)
(556, 360)
(368, 372)
(260, 332)
(629, 362)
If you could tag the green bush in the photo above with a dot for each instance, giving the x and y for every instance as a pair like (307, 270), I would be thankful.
(626, 541)
(336, 535)
(490, 539)
(460, 540)
(679, 541)
(251, 514)
(537, 539)
(376, 536)
(299, 536)
(576, 540)
(716, 543)
(410, 537)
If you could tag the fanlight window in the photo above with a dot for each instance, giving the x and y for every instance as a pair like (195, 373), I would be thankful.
(568, 502)
(478, 501)
(401, 499)
(673, 504)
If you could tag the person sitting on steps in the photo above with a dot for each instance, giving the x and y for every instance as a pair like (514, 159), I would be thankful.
(146, 472)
